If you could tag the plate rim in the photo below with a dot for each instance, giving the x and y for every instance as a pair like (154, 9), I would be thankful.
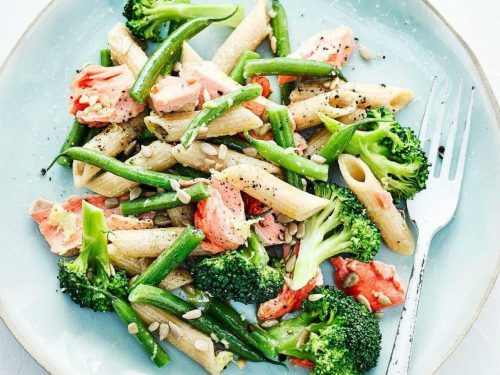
(44, 361)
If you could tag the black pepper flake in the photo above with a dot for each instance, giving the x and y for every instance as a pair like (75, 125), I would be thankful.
(441, 151)
(43, 171)
(383, 85)
(356, 39)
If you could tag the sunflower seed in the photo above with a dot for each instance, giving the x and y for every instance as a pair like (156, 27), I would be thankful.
(175, 184)
(290, 263)
(130, 148)
(177, 66)
(146, 151)
(362, 299)
(164, 330)
(318, 159)
(288, 237)
(105, 101)
(193, 314)
(241, 363)
(208, 149)
(351, 280)
(209, 162)
(132, 328)
(365, 53)
(301, 230)
(379, 314)
(283, 219)
(273, 41)
(315, 297)
(222, 152)
(269, 323)
(219, 166)
(183, 196)
(162, 220)
(250, 151)
(292, 228)
(302, 338)
(153, 326)
(201, 345)
(288, 281)
(135, 193)
(111, 202)
(175, 330)
(327, 84)
(203, 130)
(384, 300)
(263, 130)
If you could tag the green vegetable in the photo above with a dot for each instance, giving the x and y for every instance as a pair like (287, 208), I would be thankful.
(205, 323)
(283, 136)
(393, 153)
(169, 66)
(344, 337)
(163, 201)
(91, 134)
(340, 139)
(188, 171)
(289, 160)
(342, 227)
(90, 281)
(145, 18)
(127, 171)
(76, 137)
(237, 72)
(165, 52)
(290, 67)
(234, 143)
(240, 275)
(170, 258)
(217, 107)
(146, 136)
(145, 338)
(106, 57)
(233, 321)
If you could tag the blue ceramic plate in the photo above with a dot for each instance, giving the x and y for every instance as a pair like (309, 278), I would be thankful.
(34, 119)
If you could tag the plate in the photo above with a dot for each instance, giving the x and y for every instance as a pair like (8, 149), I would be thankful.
(412, 44)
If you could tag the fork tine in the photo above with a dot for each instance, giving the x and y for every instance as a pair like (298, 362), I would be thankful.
(465, 142)
(425, 118)
(436, 134)
(450, 141)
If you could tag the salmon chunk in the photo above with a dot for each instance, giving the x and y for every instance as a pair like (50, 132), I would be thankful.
(61, 224)
(269, 231)
(99, 95)
(174, 94)
(332, 46)
(221, 217)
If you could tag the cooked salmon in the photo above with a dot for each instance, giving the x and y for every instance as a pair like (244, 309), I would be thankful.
(221, 217)
(174, 94)
(61, 224)
(269, 231)
(376, 281)
(332, 46)
(99, 95)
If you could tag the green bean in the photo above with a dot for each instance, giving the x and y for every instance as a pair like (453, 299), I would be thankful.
(170, 258)
(157, 354)
(127, 171)
(290, 67)
(234, 143)
(163, 201)
(289, 160)
(169, 66)
(105, 55)
(165, 52)
(76, 137)
(188, 172)
(237, 72)
(217, 107)
(91, 134)
(205, 323)
(146, 136)
(283, 136)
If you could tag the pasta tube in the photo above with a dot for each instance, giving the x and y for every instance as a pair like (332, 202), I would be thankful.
(158, 158)
(283, 197)
(246, 37)
(111, 141)
(375, 95)
(146, 243)
(189, 55)
(124, 49)
(378, 203)
(186, 338)
(195, 157)
(172, 126)
(316, 142)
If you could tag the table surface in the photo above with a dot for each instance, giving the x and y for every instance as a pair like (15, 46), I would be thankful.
(478, 24)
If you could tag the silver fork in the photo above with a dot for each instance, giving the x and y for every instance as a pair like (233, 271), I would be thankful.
(431, 210)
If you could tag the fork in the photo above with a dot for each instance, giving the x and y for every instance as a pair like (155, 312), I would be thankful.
(431, 210)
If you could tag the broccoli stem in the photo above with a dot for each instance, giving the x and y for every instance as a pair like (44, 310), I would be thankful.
(256, 251)
(163, 201)
(157, 354)
(169, 259)
(205, 323)
(289, 160)
(237, 72)
(95, 241)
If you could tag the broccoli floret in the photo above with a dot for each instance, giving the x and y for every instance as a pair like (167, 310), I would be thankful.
(145, 18)
(336, 332)
(341, 227)
(240, 275)
(88, 279)
(393, 153)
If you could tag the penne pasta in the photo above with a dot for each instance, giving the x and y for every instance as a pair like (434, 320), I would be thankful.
(376, 95)
(170, 127)
(146, 243)
(111, 141)
(125, 50)
(110, 185)
(356, 115)
(308, 89)
(316, 142)
(194, 157)
(378, 203)
(182, 216)
(187, 339)
(269, 189)
(246, 37)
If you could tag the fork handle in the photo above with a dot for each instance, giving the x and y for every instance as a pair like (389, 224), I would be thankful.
(401, 351)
